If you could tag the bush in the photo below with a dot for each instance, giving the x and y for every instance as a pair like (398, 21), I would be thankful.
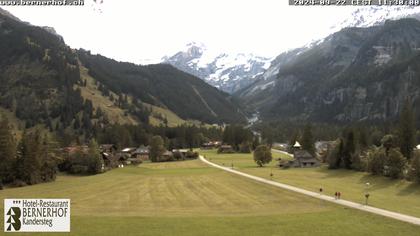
(359, 162)
(191, 155)
(136, 162)
(81, 163)
(395, 164)
(376, 160)
(414, 168)
(79, 169)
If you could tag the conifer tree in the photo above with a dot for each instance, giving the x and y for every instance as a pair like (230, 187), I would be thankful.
(7, 152)
(49, 158)
(349, 148)
(307, 141)
(30, 158)
(407, 130)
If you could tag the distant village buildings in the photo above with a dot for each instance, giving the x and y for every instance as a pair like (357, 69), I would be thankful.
(115, 158)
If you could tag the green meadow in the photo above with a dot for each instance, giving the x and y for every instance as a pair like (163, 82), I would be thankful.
(190, 198)
(395, 195)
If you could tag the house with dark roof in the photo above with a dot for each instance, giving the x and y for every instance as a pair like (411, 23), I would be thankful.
(303, 158)
(143, 153)
(225, 149)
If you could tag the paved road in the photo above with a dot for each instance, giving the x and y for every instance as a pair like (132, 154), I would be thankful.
(374, 210)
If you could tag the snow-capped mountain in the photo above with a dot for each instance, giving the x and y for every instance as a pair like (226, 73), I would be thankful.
(232, 72)
(361, 17)
(277, 80)
(227, 71)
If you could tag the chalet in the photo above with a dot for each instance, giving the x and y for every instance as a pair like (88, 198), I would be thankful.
(303, 158)
(108, 148)
(181, 151)
(108, 152)
(226, 149)
(208, 145)
(132, 155)
(129, 151)
(166, 156)
(110, 160)
(142, 153)
(217, 144)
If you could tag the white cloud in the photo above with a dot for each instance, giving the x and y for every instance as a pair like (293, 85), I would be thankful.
(137, 30)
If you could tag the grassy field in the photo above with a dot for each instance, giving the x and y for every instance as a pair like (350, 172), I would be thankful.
(190, 198)
(396, 195)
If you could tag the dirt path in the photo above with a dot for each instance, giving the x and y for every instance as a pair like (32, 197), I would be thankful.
(374, 210)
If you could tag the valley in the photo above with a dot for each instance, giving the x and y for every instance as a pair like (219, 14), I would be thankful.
(186, 145)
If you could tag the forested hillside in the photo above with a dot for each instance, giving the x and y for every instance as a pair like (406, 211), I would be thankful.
(163, 85)
(45, 82)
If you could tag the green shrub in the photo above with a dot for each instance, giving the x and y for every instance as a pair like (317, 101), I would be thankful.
(191, 155)
(376, 160)
(79, 169)
(395, 164)
(414, 167)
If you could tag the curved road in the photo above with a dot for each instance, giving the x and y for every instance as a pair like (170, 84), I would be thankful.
(374, 210)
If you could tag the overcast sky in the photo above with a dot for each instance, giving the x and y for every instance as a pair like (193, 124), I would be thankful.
(139, 30)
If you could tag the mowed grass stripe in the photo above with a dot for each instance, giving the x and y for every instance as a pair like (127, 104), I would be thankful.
(177, 188)
(190, 198)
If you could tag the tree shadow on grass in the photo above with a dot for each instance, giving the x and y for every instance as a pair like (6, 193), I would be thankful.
(381, 182)
(411, 189)
(335, 173)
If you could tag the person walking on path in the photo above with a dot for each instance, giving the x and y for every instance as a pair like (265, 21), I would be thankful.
(339, 195)
(336, 195)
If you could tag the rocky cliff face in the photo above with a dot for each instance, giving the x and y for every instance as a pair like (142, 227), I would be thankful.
(355, 74)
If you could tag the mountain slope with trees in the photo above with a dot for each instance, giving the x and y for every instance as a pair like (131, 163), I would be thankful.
(356, 74)
(43, 82)
(165, 86)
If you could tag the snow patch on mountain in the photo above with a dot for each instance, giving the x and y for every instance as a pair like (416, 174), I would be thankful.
(376, 15)
(227, 71)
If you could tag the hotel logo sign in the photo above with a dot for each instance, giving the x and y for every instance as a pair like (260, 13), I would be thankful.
(36, 215)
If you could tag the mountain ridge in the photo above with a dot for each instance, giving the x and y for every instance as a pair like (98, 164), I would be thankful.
(334, 80)
(36, 57)
(228, 72)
